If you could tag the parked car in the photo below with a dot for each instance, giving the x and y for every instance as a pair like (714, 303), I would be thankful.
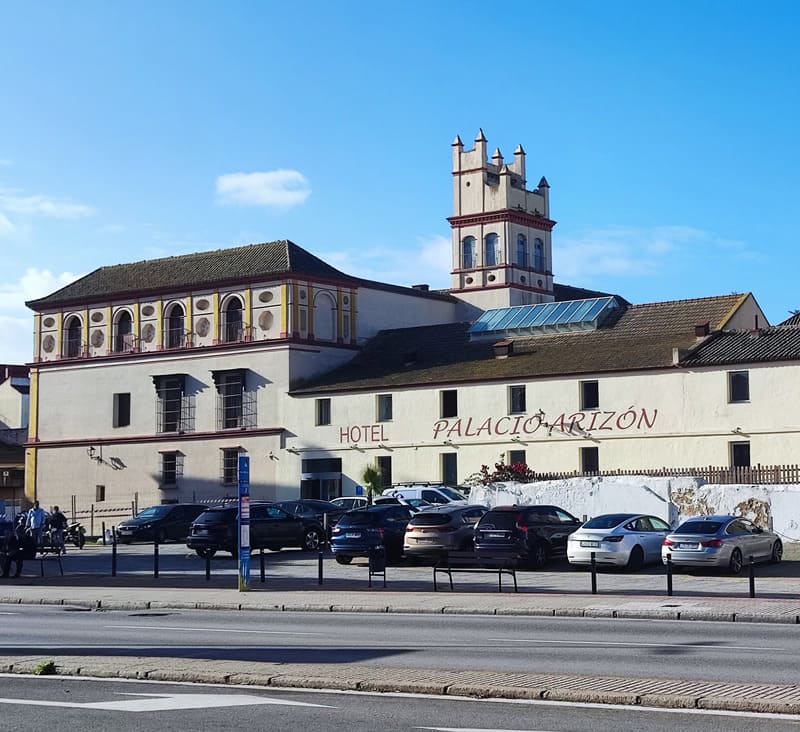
(168, 522)
(721, 541)
(442, 528)
(270, 528)
(348, 503)
(413, 504)
(527, 534)
(360, 532)
(434, 494)
(618, 539)
(312, 508)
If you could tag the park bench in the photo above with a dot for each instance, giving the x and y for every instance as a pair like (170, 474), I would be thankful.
(464, 561)
(50, 551)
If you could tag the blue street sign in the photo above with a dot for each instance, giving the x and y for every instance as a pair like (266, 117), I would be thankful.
(244, 523)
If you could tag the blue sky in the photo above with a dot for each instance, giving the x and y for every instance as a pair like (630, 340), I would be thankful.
(668, 133)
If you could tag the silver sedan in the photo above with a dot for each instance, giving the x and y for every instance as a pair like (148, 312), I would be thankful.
(721, 541)
(618, 539)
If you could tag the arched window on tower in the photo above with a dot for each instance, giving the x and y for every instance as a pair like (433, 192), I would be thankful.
(324, 317)
(468, 253)
(538, 255)
(72, 337)
(491, 256)
(231, 328)
(522, 250)
(175, 327)
(123, 333)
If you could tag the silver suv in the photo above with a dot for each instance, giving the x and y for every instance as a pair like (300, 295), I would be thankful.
(442, 528)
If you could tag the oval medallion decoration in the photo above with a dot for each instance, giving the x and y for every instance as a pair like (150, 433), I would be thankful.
(346, 300)
(148, 333)
(48, 322)
(266, 296)
(202, 304)
(202, 327)
(491, 278)
(148, 310)
(98, 338)
(265, 321)
(302, 294)
(469, 280)
(49, 343)
(97, 317)
(522, 279)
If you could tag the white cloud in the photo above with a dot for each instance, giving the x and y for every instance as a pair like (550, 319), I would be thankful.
(33, 284)
(6, 227)
(38, 205)
(279, 188)
(17, 343)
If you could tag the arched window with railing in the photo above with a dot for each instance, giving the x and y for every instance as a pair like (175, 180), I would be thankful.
(232, 326)
(468, 253)
(73, 332)
(175, 327)
(123, 333)
(324, 317)
(522, 250)
(491, 256)
(538, 255)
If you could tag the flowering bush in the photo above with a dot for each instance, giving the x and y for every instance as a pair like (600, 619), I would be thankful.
(503, 473)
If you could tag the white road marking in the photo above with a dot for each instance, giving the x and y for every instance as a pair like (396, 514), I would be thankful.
(631, 644)
(477, 729)
(165, 702)
(208, 630)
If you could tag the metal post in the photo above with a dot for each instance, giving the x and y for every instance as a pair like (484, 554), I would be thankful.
(261, 560)
(752, 577)
(91, 520)
(155, 556)
(133, 509)
(113, 551)
(594, 574)
(208, 566)
(669, 574)
(319, 566)
(103, 525)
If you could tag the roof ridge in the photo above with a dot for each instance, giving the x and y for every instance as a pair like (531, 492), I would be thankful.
(691, 299)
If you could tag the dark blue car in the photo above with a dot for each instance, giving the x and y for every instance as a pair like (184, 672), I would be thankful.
(359, 533)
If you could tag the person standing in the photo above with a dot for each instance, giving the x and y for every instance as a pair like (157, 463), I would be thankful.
(35, 522)
(58, 523)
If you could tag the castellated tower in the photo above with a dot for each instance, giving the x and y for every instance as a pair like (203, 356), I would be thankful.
(501, 230)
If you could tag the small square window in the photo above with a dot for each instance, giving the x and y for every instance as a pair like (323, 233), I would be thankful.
(738, 386)
(740, 454)
(590, 460)
(384, 407)
(449, 403)
(516, 400)
(516, 456)
(99, 493)
(590, 395)
(323, 410)
(122, 410)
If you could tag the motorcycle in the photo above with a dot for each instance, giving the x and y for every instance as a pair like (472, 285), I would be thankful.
(76, 534)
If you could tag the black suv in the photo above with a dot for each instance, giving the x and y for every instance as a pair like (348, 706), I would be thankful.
(270, 528)
(167, 522)
(358, 533)
(528, 534)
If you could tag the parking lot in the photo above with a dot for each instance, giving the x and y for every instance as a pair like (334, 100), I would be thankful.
(295, 569)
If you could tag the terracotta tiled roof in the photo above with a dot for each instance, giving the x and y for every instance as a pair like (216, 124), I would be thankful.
(779, 343)
(641, 337)
(204, 269)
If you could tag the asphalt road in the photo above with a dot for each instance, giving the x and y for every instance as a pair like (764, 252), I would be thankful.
(32, 704)
(584, 646)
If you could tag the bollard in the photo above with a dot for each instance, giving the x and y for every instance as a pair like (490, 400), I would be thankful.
(261, 559)
(155, 556)
(113, 551)
(752, 577)
(319, 566)
(104, 532)
(208, 565)
(594, 575)
(669, 574)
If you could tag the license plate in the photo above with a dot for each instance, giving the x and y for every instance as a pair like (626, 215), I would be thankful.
(353, 535)
(426, 541)
(591, 544)
(496, 535)
(684, 545)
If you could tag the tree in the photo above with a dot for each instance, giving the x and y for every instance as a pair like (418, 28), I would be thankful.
(372, 481)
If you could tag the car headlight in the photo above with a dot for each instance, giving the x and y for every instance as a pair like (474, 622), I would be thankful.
(147, 526)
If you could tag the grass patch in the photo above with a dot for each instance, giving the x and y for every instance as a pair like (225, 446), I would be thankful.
(45, 668)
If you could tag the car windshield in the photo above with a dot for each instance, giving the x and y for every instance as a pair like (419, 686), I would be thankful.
(609, 521)
(153, 512)
(360, 518)
(430, 519)
(699, 527)
(452, 495)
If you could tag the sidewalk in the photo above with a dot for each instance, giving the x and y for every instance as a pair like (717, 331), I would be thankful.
(149, 594)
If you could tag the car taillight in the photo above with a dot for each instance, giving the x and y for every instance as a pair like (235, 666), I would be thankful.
(667, 542)
(712, 542)
(612, 539)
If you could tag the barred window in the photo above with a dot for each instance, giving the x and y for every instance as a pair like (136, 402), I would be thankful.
(236, 406)
(174, 407)
(171, 468)
(229, 465)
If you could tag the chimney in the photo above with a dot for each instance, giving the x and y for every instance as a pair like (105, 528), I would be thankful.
(503, 349)
(756, 332)
(702, 329)
(421, 288)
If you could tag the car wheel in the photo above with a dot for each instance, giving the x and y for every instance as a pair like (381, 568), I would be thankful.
(343, 560)
(636, 559)
(539, 555)
(205, 553)
(777, 552)
(735, 565)
(311, 540)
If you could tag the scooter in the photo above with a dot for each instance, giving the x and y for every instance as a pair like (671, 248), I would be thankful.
(76, 534)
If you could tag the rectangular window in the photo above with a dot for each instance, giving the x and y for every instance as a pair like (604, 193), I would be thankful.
(738, 386)
(516, 456)
(345, 327)
(122, 410)
(303, 320)
(740, 454)
(516, 400)
(170, 403)
(448, 403)
(236, 406)
(384, 407)
(323, 410)
(384, 463)
(99, 493)
(590, 395)
(229, 465)
(590, 460)
(171, 468)
(449, 468)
